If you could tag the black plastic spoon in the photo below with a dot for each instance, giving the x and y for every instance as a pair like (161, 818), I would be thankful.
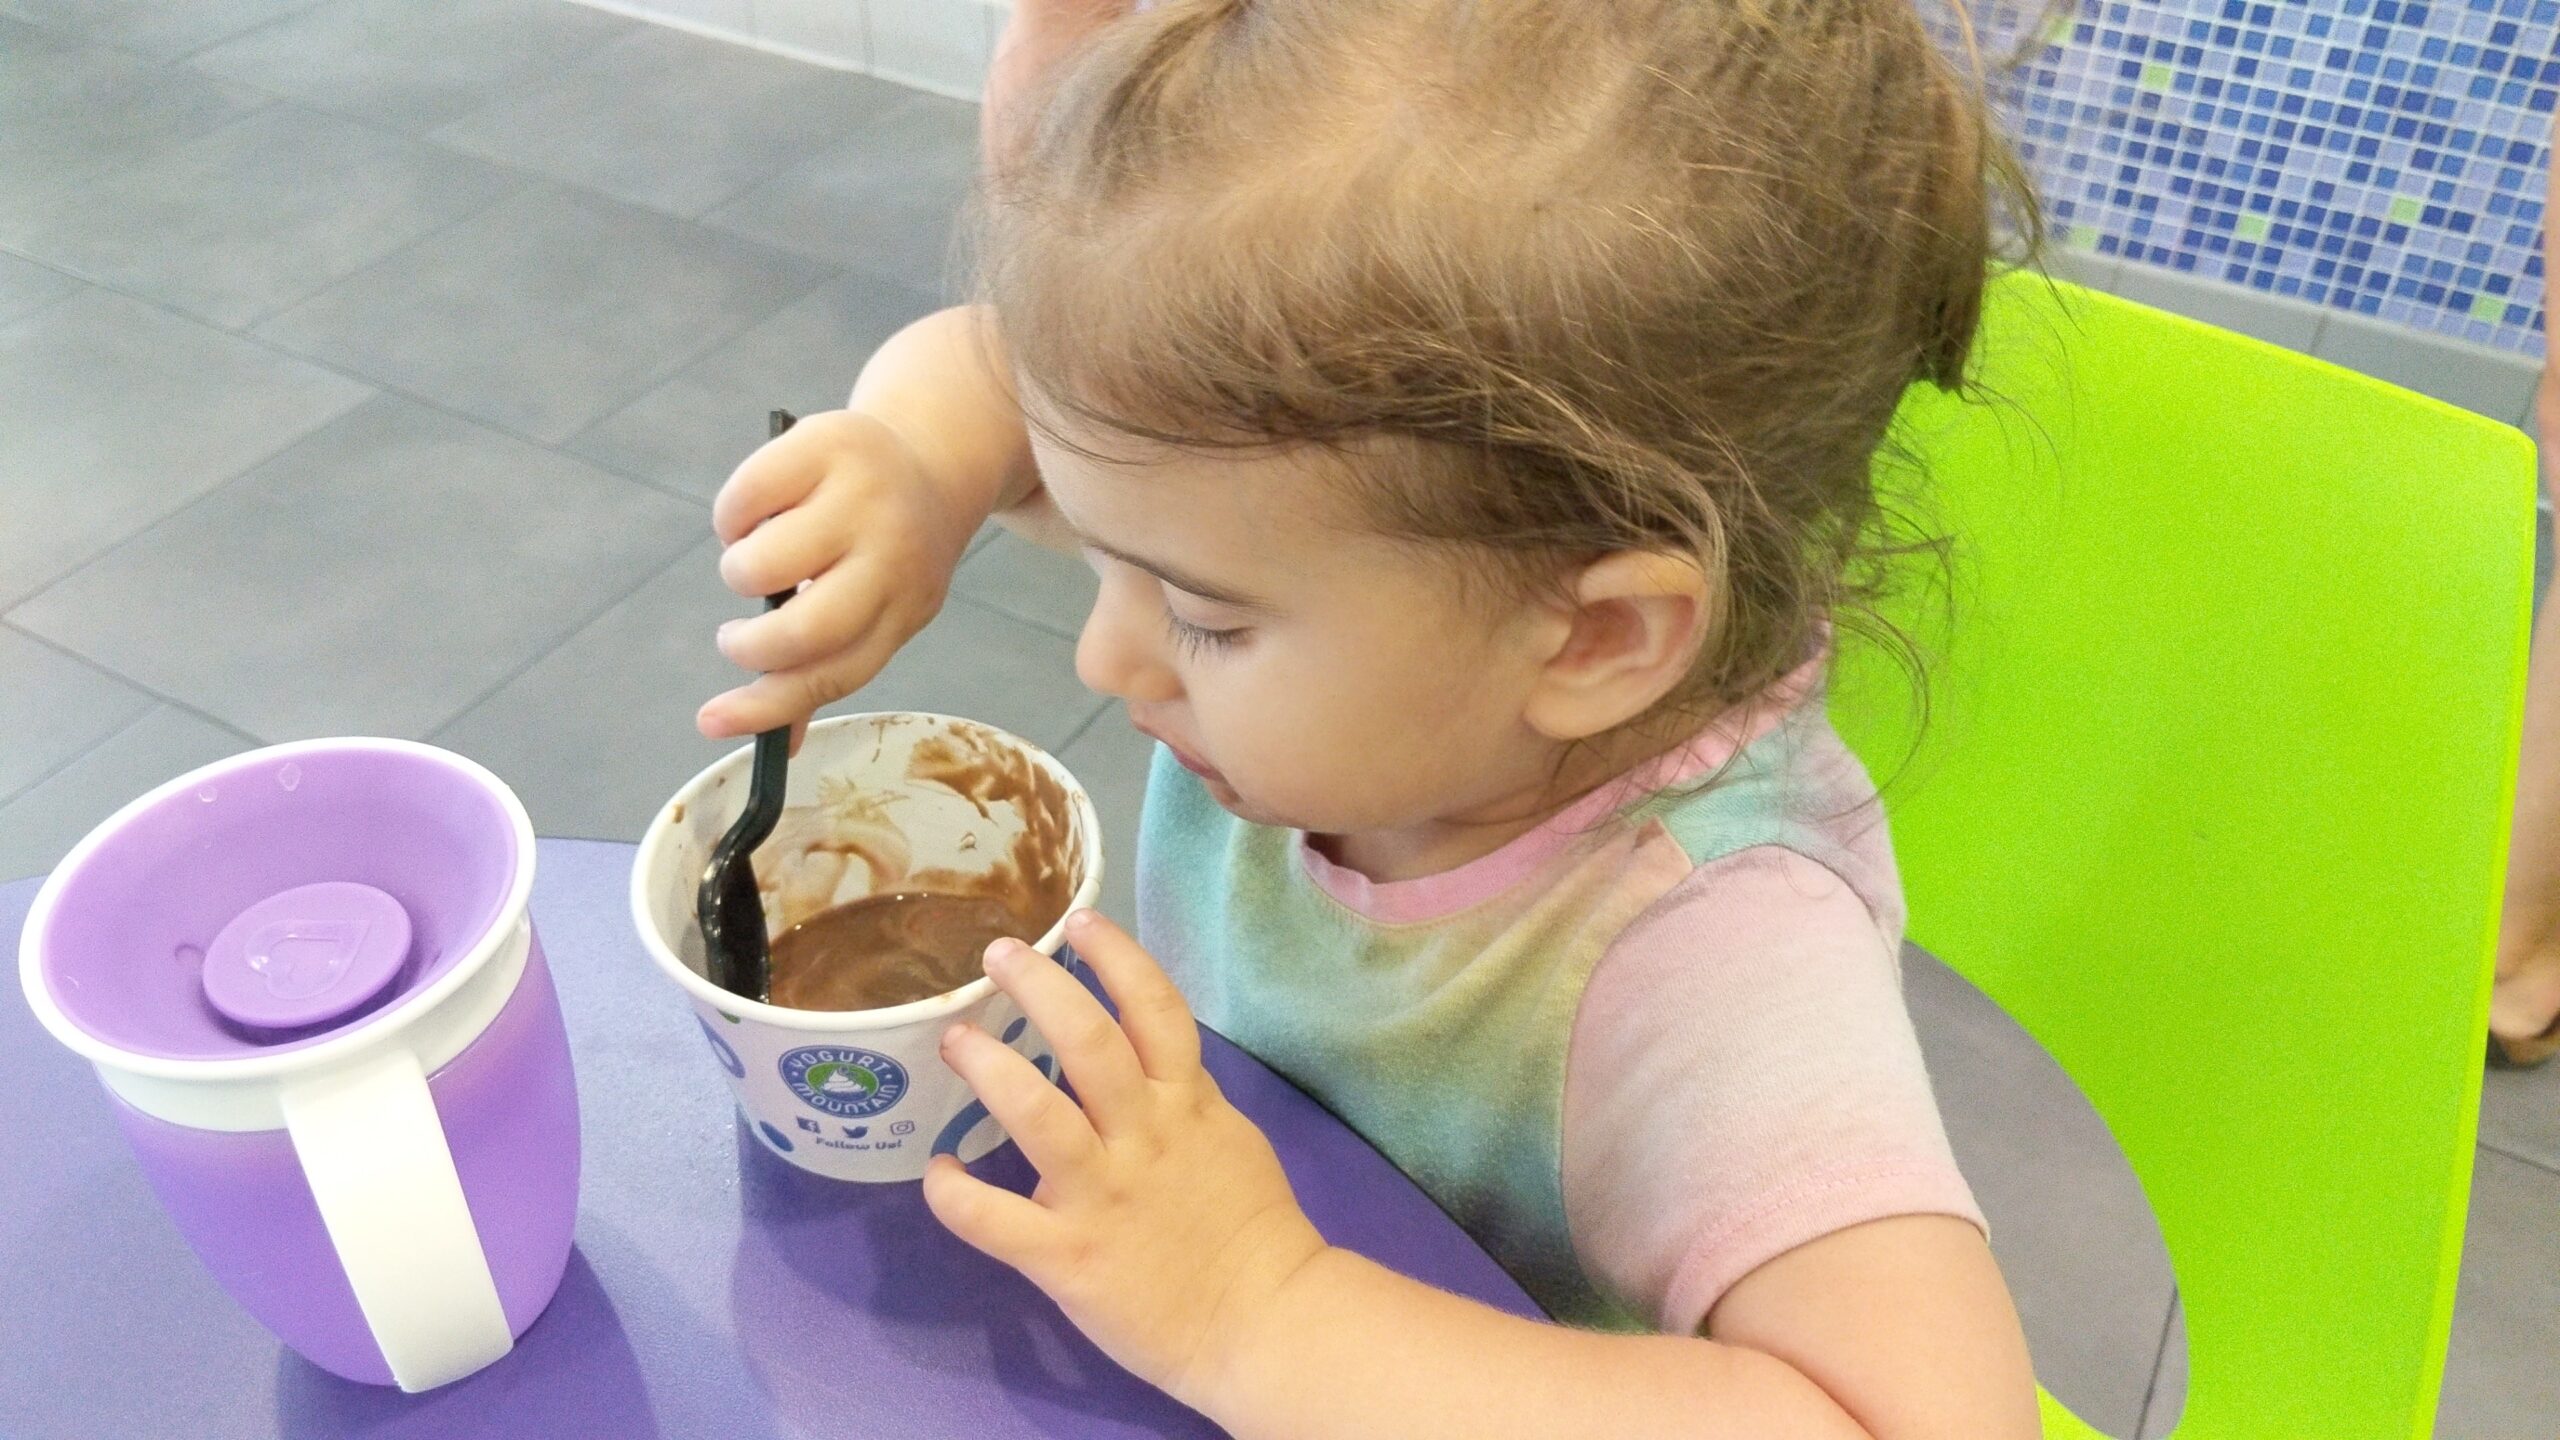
(736, 949)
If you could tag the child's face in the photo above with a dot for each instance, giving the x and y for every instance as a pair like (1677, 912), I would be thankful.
(1315, 675)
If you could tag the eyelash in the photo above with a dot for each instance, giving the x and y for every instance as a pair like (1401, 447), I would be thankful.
(1198, 640)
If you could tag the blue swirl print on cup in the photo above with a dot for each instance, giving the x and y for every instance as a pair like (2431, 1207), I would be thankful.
(721, 1049)
(948, 1142)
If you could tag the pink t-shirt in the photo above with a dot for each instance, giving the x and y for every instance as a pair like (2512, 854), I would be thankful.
(1739, 1074)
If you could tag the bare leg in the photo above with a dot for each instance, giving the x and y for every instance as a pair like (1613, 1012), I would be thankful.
(2527, 998)
(2524, 1009)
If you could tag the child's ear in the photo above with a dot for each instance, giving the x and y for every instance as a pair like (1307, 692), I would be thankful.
(1632, 626)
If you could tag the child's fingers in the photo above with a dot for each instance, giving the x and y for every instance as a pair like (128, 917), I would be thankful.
(1054, 1135)
(796, 545)
(830, 617)
(818, 649)
(735, 714)
(779, 475)
(789, 697)
(1091, 1049)
(1152, 1013)
(1007, 1228)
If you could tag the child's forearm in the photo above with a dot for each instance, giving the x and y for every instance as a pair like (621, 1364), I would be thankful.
(941, 385)
(1354, 1349)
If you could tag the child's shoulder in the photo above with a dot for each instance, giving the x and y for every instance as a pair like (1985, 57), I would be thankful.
(1749, 1028)
(1792, 783)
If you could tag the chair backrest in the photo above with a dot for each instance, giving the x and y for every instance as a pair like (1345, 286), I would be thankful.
(2212, 795)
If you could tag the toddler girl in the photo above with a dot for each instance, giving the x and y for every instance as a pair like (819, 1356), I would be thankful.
(1469, 409)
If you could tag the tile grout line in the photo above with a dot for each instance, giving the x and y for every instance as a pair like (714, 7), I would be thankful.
(525, 81)
(2545, 1166)
(831, 272)
(914, 100)
(274, 102)
(171, 701)
(271, 22)
(797, 159)
(992, 608)
(78, 286)
(1053, 632)
(380, 388)
(519, 81)
(584, 624)
(15, 253)
(83, 753)
(1099, 710)
(1101, 703)
(174, 61)
(639, 26)
(683, 361)
(840, 273)
(423, 139)
(529, 180)
(92, 41)
(210, 718)
(11, 604)
(525, 182)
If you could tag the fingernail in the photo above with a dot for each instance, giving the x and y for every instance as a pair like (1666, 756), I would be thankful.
(1080, 920)
(1004, 954)
(951, 1036)
(727, 628)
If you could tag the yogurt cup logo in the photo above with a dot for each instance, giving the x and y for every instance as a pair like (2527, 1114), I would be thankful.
(844, 1082)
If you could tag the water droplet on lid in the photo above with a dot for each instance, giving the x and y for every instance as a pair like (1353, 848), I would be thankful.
(289, 775)
(191, 956)
(206, 793)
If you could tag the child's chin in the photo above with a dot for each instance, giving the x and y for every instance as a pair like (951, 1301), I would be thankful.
(1236, 805)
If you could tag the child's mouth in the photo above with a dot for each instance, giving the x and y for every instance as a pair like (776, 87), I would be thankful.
(1188, 761)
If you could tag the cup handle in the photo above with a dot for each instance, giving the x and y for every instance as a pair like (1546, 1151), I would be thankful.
(374, 1152)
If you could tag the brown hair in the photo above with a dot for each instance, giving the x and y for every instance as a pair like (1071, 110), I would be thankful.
(1558, 277)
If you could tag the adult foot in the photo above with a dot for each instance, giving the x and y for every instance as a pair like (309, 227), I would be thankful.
(2524, 1008)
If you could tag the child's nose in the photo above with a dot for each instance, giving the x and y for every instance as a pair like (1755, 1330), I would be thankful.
(1120, 653)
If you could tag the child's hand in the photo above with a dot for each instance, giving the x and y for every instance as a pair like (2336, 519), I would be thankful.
(1162, 1224)
(840, 502)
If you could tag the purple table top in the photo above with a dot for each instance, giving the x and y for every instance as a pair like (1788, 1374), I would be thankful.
(715, 1291)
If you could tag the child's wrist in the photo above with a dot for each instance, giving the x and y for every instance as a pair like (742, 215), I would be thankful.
(1252, 1347)
(966, 505)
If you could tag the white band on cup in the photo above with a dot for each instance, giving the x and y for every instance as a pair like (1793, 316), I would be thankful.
(257, 1104)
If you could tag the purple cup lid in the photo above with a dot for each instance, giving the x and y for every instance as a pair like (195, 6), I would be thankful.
(306, 956)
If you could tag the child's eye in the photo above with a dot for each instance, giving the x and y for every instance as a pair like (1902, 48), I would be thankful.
(1198, 640)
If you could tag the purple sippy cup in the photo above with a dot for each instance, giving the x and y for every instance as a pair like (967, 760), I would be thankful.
(309, 981)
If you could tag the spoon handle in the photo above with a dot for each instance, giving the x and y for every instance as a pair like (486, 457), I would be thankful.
(765, 789)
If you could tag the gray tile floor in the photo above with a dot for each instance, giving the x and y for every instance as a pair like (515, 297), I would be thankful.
(368, 365)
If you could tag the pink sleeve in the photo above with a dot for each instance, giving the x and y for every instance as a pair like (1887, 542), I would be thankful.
(1743, 1079)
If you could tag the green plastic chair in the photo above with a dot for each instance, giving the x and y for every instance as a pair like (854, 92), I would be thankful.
(2212, 796)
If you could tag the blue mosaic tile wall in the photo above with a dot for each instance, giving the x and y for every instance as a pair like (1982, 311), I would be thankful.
(2380, 156)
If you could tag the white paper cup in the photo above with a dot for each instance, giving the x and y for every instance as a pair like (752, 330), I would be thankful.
(861, 1094)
